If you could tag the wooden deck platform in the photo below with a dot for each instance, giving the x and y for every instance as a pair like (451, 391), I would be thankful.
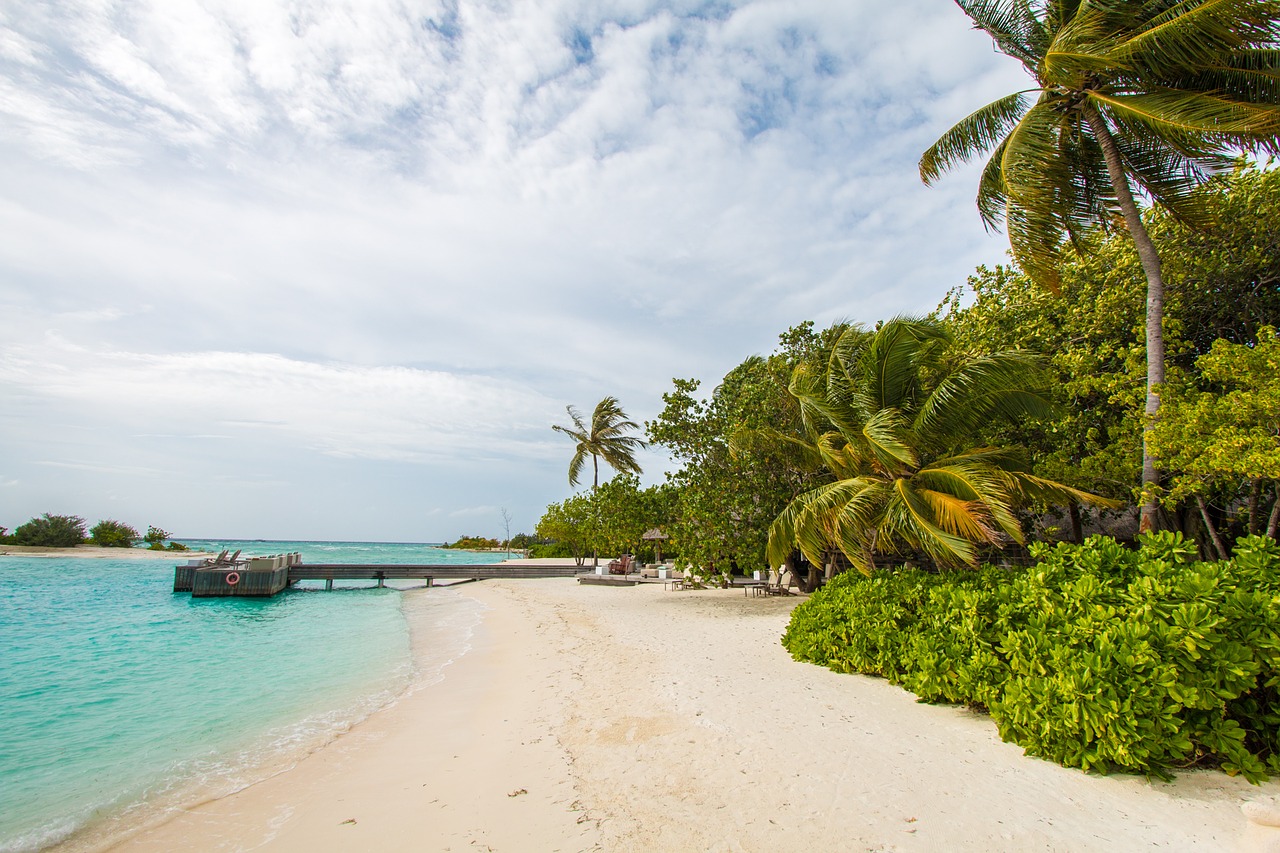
(262, 577)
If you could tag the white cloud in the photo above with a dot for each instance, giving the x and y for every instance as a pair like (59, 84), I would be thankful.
(376, 232)
(382, 413)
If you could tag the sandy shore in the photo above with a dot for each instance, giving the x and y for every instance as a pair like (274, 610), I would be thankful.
(93, 552)
(635, 719)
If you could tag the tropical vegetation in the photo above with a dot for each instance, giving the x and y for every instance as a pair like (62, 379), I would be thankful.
(963, 463)
(51, 531)
(473, 543)
(607, 437)
(893, 417)
(1149, 97)
(1097, 656)
(67, 531)
(109, 533)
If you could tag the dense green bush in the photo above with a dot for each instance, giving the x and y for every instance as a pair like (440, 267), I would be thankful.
(113, 534)
(51, 531)
(1097, 656)
(552, 549)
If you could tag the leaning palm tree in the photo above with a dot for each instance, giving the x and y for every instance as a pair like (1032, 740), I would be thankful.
(892, 419)
(606, 438)
(1145, 95)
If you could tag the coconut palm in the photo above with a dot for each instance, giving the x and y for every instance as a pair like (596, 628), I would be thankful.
(1145, 95)
(892, 418)
(606, 438)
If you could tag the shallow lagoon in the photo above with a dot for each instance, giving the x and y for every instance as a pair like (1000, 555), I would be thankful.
(121, 698)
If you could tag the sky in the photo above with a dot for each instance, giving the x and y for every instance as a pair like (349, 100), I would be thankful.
(331, 269)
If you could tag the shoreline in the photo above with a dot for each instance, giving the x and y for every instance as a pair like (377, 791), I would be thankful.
(591, 718)
(96, 552)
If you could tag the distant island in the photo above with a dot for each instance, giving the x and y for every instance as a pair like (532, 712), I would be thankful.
(475, 543)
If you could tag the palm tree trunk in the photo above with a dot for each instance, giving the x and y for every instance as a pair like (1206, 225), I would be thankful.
(595, 484)
(1150, 260)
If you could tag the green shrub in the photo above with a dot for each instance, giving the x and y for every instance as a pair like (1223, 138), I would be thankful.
(554, 549)
(113, 534)
(1097, 656)
(51, 531)
(156, 537)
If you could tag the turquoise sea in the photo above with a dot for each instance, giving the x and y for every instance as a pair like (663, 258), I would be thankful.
(120, 699)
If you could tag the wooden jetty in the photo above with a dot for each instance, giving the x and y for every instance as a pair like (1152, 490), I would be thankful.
(267, 576)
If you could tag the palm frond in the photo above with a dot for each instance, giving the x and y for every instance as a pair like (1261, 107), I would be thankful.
(889, 368)
(992, 198)
(576, 463)
(968, 520)
(976, 479)
(978, 132)
(856, 523)
(1006, 385)
(1170, 112)
(886, 435)
(910, 517)
(1195, 34)
(1012, 24)
(1040, 490)
(1247, 75)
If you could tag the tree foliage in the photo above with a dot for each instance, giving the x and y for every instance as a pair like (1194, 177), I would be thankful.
(1153, 96)
(51, 531)
(1224, 283)
(113, 534)
(606, 437)
(608, 520)
(893, 417)
(738, 468)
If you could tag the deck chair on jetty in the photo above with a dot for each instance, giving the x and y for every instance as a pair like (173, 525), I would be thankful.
(620, 566)
(216, 561)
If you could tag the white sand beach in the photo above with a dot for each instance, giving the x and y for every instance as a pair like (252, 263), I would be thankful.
(637, 719)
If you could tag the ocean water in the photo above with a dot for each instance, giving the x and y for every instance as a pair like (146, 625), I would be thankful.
(120, 699)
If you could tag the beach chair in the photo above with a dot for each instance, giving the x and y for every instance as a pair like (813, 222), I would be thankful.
(216, 560)
(781, 586)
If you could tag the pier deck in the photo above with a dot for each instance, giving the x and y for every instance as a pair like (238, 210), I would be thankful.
(247, 579)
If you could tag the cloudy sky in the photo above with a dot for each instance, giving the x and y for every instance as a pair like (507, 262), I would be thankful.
(331, 268)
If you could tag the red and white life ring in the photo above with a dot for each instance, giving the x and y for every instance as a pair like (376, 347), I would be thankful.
(233, 578)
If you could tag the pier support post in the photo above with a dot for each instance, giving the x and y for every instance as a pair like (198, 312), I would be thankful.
(382, 580)
(430, 582)
(328, 585)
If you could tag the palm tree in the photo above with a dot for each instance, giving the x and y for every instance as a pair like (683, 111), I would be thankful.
(1152, 95)
(892, 419)
(605, 439)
